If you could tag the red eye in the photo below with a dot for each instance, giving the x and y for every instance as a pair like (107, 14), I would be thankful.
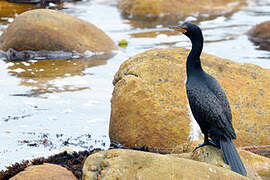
(185, 27)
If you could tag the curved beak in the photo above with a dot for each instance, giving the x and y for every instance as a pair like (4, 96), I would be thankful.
(178, 29)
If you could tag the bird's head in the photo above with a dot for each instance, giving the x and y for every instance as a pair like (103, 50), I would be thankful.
(190, 30)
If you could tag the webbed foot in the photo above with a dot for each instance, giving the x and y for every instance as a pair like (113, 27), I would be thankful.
(206, 142)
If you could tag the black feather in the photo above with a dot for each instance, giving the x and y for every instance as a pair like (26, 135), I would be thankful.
(208, 102)
(231, 156)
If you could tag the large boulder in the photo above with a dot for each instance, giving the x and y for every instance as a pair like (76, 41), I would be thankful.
(45, 29)
(260, 34)
(130, 164)
(44, 172)
(149, 105)
(172, 8)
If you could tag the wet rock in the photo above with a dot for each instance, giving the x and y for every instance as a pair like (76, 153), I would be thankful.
(25, 1)
(149, 104)
(130, 164)
(172, 8)
(44, 172)
(43, 2)
(260, 35)
(8, 9)
(51, 30)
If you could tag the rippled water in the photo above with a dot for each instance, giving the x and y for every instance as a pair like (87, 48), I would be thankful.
(51, 104)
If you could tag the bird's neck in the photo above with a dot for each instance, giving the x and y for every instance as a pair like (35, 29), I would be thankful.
(193, 61)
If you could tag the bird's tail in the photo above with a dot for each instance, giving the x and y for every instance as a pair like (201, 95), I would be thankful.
(231, 156)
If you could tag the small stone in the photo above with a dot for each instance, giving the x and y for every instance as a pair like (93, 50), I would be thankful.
(123, 43)
(102, 173)
(93, 168)
(104, 163)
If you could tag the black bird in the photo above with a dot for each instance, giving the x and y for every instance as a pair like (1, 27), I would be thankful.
(208, 102)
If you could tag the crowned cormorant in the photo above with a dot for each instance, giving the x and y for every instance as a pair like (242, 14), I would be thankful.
(208, 102)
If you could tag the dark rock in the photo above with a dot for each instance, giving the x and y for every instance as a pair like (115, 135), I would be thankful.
(260, 35)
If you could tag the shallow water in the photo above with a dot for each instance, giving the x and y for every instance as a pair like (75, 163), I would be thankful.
(48, 105)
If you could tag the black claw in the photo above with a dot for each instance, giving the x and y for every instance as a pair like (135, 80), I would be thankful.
(199, 146)
(207, 142)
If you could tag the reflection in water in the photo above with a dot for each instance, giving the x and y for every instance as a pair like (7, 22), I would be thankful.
(145, 22)
(153, 33)
(172, 20)
(48, 76)
(12, 55)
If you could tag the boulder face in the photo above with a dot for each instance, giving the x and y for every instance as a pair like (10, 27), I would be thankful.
(51, 30)
(44, 172)
(149, 105)
(153, 8)
(130, 164)
(260, 35)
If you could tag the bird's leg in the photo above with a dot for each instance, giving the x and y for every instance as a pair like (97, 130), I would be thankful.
(212, 143)
(206, 142)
